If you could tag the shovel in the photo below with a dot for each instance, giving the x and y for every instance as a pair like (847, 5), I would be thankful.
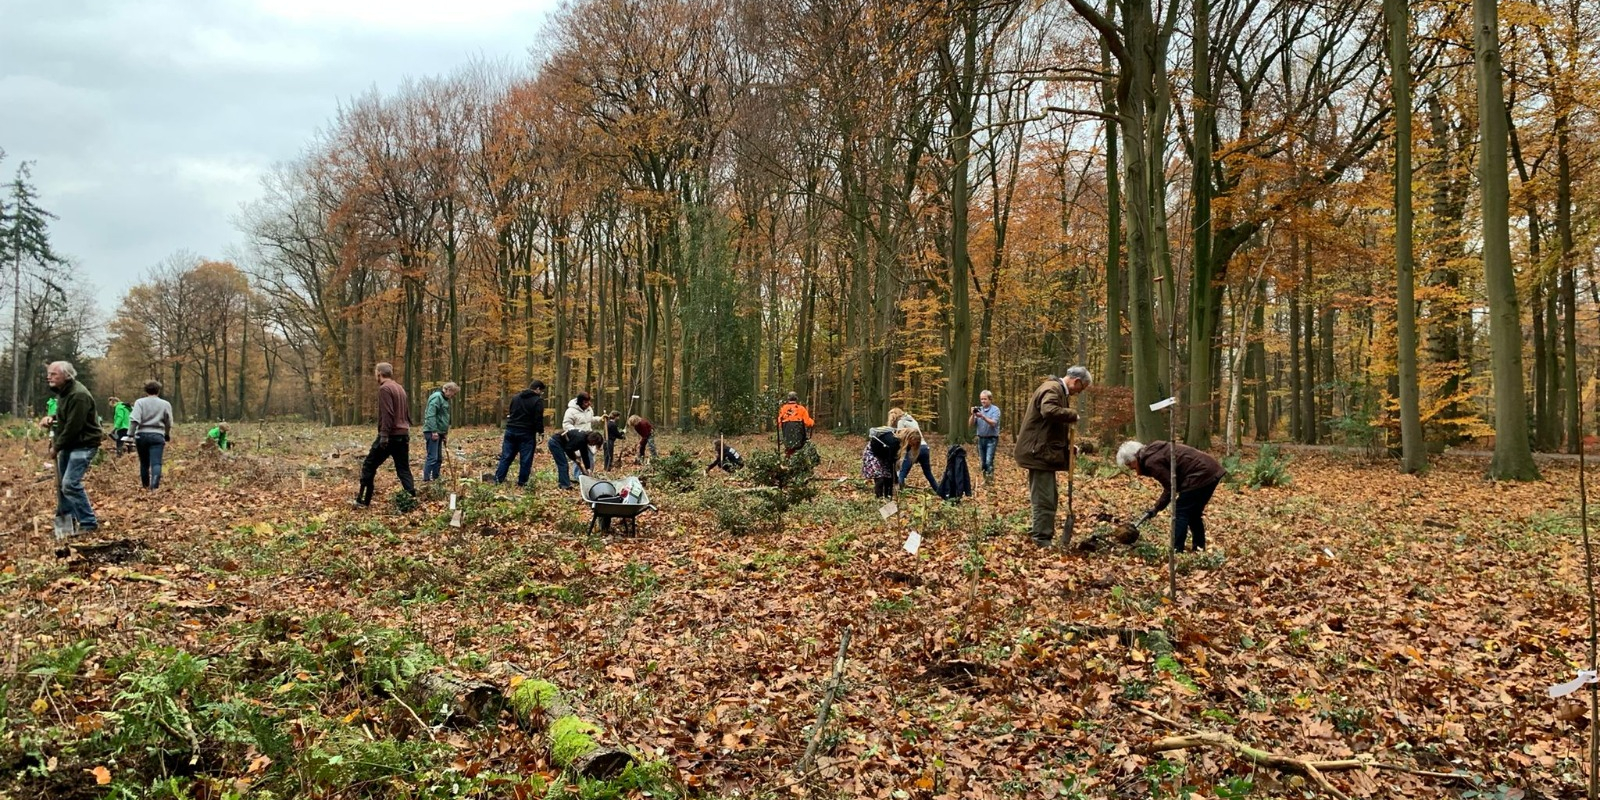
(65, 526)
(1068, 528)
(455, 482)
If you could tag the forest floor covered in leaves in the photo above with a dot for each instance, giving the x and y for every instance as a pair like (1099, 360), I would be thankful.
(256, 635)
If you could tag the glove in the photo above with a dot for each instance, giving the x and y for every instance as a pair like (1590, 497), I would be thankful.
(383, 440)
(1143, 518)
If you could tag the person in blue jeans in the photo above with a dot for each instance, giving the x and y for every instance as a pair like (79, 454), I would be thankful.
(150, 422)
(74, 442)
(572, 448)
(904, 425)
(524, 429)
(436, 428)
(986, 416)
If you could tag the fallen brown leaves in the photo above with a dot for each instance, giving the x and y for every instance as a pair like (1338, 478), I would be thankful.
(1354, 615)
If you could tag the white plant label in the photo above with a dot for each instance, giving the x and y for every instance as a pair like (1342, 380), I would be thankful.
(1585, 677)
(1160, 404)
(452, 501)
(913, 543)
(888, 509)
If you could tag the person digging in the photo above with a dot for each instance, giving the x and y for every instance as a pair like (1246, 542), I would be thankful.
(1197, 477)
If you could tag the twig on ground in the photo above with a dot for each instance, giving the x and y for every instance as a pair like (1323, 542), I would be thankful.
(827, 703)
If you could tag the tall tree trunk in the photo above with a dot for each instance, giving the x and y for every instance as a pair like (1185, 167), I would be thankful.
(1262, 411)
(1413, 451)
(1116, 364)
(1513, 458)
(1444, 281)
(1568, 288)
(1203, 299)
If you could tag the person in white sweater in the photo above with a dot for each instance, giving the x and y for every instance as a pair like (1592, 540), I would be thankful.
(580, 417)
(150, 423)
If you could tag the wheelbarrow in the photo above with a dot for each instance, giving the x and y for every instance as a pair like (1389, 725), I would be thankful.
(622, 500)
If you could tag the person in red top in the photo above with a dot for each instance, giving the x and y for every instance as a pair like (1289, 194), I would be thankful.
(647, 438)
(394, 436)
(794, 424)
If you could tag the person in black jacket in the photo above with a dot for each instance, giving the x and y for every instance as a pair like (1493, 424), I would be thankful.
(73, 442)
(878, 458)
(524, 429)
(568, 448)
(1198, 474)
(614, 434)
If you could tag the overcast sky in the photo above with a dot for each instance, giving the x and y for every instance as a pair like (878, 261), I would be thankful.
(151, 121)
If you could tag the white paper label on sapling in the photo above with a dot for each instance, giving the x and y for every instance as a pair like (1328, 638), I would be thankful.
(913, 543)
(888, 509)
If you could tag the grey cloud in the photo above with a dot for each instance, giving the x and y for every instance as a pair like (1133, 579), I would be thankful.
(152, 122)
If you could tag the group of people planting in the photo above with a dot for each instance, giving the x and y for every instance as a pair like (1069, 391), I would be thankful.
(1044, 447)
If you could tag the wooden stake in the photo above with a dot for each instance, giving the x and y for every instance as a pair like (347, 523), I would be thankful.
(827, 704)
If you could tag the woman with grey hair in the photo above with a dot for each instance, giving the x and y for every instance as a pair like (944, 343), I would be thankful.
(1198, 476)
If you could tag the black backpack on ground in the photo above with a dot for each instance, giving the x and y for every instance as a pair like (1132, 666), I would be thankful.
(957, 481)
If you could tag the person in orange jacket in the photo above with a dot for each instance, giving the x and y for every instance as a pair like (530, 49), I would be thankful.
(794, 424)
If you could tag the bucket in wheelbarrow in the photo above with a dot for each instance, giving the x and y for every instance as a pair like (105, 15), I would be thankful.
(622, 500)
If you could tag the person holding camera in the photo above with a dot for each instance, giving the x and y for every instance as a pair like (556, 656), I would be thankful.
(986, 415)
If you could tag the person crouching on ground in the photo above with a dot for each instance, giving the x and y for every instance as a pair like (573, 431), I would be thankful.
(570, 448)
(1198, 476)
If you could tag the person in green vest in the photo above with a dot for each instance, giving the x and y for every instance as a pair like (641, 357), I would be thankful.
(120, 413)
(436, 428)
(218, 436)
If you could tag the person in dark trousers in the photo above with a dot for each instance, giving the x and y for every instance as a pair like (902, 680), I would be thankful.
(524, 429)
(568, 448)
(75, 438)
(647, 437)
(725, 457)
(614, 434)
(436, 429)
(394, 436)
(151, 425)
(919, 454)
(119, 423)
(986, 416)
(1198, 476)
(877, 460)
(794, 424)
(1042, 442)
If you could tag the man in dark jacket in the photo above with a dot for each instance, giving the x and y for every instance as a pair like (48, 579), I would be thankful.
(1042, 444)
(1198, 475)
(73, 442)
(394, 436)
(524, 429)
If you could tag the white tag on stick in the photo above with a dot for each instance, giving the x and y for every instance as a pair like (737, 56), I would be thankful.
(1160, 404)
(888, 509)
(452, 501)
(1585, 677)
(913, 543)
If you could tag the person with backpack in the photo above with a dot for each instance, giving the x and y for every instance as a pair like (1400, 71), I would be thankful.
(571, 448)
(877, 460)
(436, 429)
(119, 423)
(794, 424)
(524, 429)
(151, 425)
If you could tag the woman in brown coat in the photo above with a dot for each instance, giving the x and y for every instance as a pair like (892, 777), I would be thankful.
(1198, 476)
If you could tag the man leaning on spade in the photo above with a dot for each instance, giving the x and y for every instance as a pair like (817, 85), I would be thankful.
(1042, 447)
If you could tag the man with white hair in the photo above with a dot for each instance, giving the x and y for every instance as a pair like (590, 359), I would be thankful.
(1198, 476)
(73, 443)
(1042, 446)
(436, 428)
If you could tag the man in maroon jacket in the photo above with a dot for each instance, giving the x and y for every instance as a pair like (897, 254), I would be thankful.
(1198, 476)
(394, 436)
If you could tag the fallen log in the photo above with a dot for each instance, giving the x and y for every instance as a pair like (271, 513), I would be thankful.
(457, 701)
(574, 743)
